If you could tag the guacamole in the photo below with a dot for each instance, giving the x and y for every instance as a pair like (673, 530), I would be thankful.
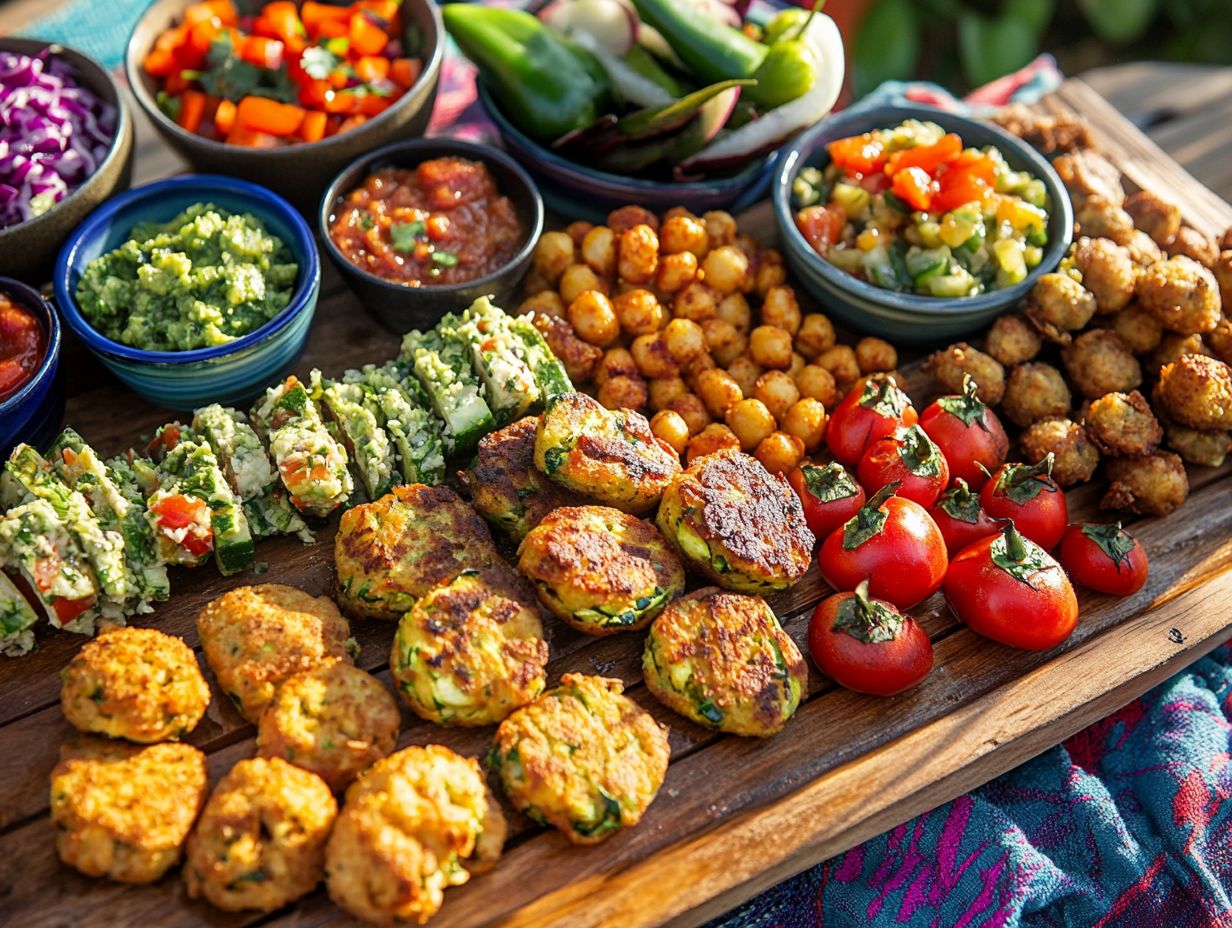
(205, 278)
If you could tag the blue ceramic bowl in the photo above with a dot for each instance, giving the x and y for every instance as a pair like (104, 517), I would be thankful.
(226, 373)
(34, 412)
(905, 316)
(572, 189)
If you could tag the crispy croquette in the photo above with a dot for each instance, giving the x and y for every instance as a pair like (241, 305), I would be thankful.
(1058, 305)
(1197, 391)
(1098, 362)
(1123, 425)
(951, 366)
(1182, 295)
(1107, 271)
(1074, 455)
(1150, 485)
(1035, 391)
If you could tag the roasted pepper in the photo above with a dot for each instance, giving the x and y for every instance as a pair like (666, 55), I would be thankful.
(714, 51)
(545, 84)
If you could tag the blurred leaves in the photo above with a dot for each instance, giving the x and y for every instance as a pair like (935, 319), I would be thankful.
(990, 47)
(887, 46)
(1119, 21)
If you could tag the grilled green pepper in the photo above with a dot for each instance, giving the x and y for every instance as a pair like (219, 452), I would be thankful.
(714, 51)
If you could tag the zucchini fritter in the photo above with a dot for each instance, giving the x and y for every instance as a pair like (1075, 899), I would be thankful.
(1197, 391)
(1182, 295)
(1150, 485)
(1074, 455)
(1123, 425)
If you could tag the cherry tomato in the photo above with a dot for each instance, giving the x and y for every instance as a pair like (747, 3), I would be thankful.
(968, 433)
(867, 645)
(1009, 589)
(871, 410)
(1027, 494)
(909, 458)
(821, 225)
(894, 544)
(829, 494)
(1105, 558)
(961, 519)
(68, 609)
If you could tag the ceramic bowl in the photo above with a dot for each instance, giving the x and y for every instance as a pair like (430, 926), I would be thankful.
(34, 412)
(575, 190)
(905, 316)
(401, 308)
(28, 249)
(229, 373)
(299, 171)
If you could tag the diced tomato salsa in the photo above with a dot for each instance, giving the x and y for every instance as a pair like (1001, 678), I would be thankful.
(23, 344)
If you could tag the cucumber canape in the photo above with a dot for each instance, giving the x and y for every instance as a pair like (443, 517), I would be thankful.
(440, 360)
(192, 467)
(407, 419)
(550, 374)
(499, 357)
(17, 619)
(360, 427)
(41, 551)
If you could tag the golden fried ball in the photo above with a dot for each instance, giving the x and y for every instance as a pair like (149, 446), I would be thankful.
(1035, 391)
(1182, 295)
(668, 426)
(1059, 305)
(134, 683)
(260, 841)
(779, 452)
(334, 720)
(1197, 391)
(1155, 216)
(1075, 457)
(1150, 485)
(1193, 244)
(1142, 249)
(123, 811)
(1173, 346)
(951, 366)
(1013, 340)
(806, 420)
(1137, 328)
(723, 660)
(1206, 449)
(1098, 362)
(751, 421)
(1123, 425)
(712, 439)
(1222, 269)
(875, 354)
(1098, 216)
(1107, 271)
(582, 757)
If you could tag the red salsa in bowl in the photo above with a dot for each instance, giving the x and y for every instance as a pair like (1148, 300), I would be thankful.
(443, 222)
(23, 343)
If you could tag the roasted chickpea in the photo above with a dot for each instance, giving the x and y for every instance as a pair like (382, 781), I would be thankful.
(712, 439)
(745, 373)
(719, 391)
(720, 227)
(751, 421)
(770, 346)
(577, 230)
(807, 421)
(770, 271)
(797, 364)
(841, 362)
(734, 308)
(668, 426)
(696, 301)
(875, 354)
(781, 308)
(1012, 340)
(1138, 328)
(778, 391)
(815, 382)
(594, 318)
(666, 390)
(577, 279)
(534, 283)
(639, 312)
(723, 341)
(680, 234)
(637, 255)
(779, 452)
(545, 303)
(553, 253)
(652, 357)
(623, 392)
(615, 362)
(816, 335)
(675, 272)
(692, 410)
(685, 339)
(599, 251)
(724, 268)
(678, 210)
(626, 217)
(693, 369)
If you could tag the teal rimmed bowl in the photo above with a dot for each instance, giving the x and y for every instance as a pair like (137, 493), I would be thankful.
(227, 373)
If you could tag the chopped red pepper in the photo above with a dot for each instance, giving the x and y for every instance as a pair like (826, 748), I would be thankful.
(821, 226)
(858, 154)
(927, 157)
(915, 188)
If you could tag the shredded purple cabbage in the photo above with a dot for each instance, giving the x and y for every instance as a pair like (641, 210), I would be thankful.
(54, 133)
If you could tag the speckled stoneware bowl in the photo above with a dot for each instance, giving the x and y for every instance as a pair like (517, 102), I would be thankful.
(401, 308)
(298, 172)
(575, 190)
(904, 316)
(229, 373)
(28, 249)
(34, 412)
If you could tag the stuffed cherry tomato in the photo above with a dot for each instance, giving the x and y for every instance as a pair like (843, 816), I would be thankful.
(1027, 494)
(1009, 589)
(968, 433)
(867, 645)
(829, 494)
(911, 459)
(961, 519)
(894, 544)
(872, 409)
(1105, 558)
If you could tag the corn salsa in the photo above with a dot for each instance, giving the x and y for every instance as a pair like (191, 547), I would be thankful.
(443, 222)
(912, 209)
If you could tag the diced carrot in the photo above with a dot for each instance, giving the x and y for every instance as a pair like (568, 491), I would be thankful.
(176, 83)
(201, 35)
(367, 38)
(338, 78)
(251, 138)
(342, 102)
(159, 62)
(263, 52)
(199, 13)
(352, 122)
(372, 68)
(284, 17)
(312, 129)
(225, 11)
(332, 29)
(192, 110)
(313, 15)
(265, 115)
(372, 105)
(312, 93)
(405, 71)
(224, 117)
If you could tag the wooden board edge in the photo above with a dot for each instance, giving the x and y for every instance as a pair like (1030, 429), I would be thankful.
(705, 876)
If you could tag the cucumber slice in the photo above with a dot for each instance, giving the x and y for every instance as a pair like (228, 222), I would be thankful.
(499, 358)
(440, 360)
(194, 468)
(17, 620)
(360, 429)
(404, 412)
(923, 263)
(550, 373)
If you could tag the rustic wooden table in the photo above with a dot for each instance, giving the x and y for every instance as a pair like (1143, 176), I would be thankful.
(735, 816)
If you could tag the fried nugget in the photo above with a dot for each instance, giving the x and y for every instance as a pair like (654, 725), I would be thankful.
(1193, 244)
(1075, 457)
(1142, 249)
(1098, 362)
(1088, 173)
(1059, 305)
(1155, 216)
(1150, 485)
(1173, 346)
(1123, 425)
(1222, 269)
(1218, 341)
(1107, 271)
(1100, 217)
(1137, 328)
(1197, 391)
(1035, 391)
(1013, 340)
(1207, 449)
(1182, 294)
(951, 366)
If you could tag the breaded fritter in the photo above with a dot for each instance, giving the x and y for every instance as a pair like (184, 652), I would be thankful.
(1218, 341)
(334, 720)
(1086, 173)
(1207, 449)
(1142, 249)
(1172, 347)
(1193, 244)
(601, 570)
(582, 757)
(1123, 425)
(1182, 295)
(1150, 485)
(1222, 269)
(579, 357)
(1058, 305)
(123, 811)
(391, 552)
(1197, 391)
(723, 660)
(1100, 217)
(505, 486)
(254, 637)
(1107, 271)
(1098, 362)
(735, 522)
(610, 456)
(469, 652)
(951, 366)
(1155, 216)
(1035, 391)
(1137, 328)
(134, 683)
(260, 841)
(1013, 340)
(1074, 456)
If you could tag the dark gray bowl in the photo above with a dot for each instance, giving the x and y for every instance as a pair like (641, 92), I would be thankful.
(28, 250)
(401, 308)
(298, 172)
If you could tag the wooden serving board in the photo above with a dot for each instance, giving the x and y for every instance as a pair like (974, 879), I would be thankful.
(735, 815)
